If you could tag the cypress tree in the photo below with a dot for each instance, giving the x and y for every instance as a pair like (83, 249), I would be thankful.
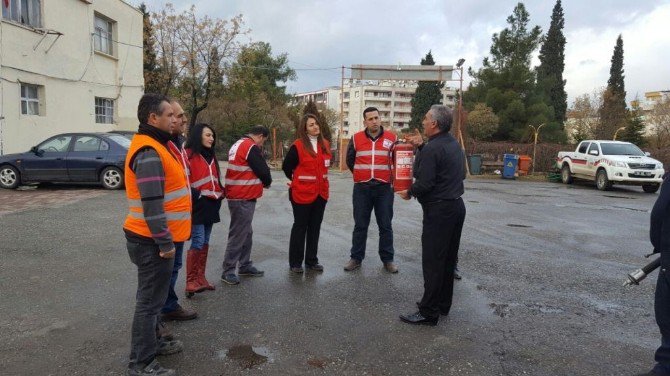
(552, 64)
(427, 94)
(613, 113)
(150, 65)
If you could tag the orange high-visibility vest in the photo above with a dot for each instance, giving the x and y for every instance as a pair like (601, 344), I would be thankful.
(204, 176)
(373, 158)
(241, 182)
(310, 177)
(177, 196)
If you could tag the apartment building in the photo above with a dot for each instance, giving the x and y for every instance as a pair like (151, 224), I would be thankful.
(67, 66)
(392, 98)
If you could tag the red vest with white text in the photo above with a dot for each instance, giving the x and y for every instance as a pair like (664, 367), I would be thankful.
(204, 176)
(373, 158)
(310, 177)
(241, 182)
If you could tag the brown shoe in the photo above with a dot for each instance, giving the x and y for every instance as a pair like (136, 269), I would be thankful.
(353, 264)
(390, 267)
(162, 331)
(180, 314)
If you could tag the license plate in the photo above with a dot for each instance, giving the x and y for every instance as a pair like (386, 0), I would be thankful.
(642, 173)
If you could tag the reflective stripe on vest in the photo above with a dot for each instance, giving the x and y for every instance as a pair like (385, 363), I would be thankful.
(373, 158)
(176, 198)
(205, 176)
(241, 181)
(310, 177)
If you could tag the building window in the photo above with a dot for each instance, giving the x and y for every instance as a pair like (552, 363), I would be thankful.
(27, 12)
(103, 36)
(30, 99)
(104, 110)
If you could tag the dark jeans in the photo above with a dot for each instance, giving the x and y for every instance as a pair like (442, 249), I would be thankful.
(662, 311)
(307, 220)
(153, 282)
(172, 301)
(240, 235)
(440, 239)
(200, 235)
(366, 198)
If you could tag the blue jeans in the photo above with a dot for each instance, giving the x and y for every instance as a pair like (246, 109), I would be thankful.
(366, 198)
(171, 303)
(200, 235)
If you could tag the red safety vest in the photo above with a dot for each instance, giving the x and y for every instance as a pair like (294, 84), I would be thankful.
(204, 176)
(310, 177)
(241, 182)
(373, 158)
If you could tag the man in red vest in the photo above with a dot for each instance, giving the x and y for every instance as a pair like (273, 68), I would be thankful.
(172, 310)
(369, 158)
(246, 176)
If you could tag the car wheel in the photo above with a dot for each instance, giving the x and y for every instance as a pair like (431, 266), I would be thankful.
(9, 177)
(111, 178)
(602, 182)
(566, 176)
(651, 188)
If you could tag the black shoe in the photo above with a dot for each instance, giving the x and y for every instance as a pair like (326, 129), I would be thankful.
(315, 267)
(443, 313)
(457, 275)
(418, 319)
(297, 270)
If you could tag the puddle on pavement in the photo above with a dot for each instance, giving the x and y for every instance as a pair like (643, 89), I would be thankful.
(517, 225)
(247, 356)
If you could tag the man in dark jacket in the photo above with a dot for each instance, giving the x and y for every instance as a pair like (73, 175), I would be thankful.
(659, 233)
(438, 185)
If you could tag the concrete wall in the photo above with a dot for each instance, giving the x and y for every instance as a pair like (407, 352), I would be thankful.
(71, 73)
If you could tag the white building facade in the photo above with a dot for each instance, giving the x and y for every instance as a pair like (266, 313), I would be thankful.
(392, 98)
(68, 66)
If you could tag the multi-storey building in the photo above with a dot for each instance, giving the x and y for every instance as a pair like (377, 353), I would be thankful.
(67, 66)
(392, 98)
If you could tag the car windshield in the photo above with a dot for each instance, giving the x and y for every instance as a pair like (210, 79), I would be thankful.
(123, 141)
(610, 148)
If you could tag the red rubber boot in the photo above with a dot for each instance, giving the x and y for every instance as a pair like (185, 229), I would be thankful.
(203, 267)
(192, 265)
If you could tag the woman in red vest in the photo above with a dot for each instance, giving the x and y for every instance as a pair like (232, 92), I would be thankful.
(207, 194)
(306, 165)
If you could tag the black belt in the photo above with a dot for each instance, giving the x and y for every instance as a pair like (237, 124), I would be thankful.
(442, 200)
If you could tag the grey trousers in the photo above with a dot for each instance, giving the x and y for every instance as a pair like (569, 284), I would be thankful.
(153, 283)
(240, 235)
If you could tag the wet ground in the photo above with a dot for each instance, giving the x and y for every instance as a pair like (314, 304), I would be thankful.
(542, 264)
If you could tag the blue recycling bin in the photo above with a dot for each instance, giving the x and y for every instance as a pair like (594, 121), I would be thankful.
(510, 162)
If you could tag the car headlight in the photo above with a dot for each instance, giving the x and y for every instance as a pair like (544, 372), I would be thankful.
(659, 166)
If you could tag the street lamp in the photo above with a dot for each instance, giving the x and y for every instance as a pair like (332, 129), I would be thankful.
(617, 131)
(536, 132)
(459, 66)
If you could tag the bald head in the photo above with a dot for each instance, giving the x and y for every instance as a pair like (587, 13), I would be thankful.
(179, 125)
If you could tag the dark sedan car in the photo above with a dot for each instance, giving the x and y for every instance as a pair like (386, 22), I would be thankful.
(69, 157)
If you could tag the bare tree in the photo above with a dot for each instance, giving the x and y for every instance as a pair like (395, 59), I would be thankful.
(658, 120)
(583, 121)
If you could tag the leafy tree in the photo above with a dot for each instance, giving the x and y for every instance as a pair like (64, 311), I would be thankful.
(635, 129)
(613, 112)
(427, 94)
(506, 82)
(482, 122)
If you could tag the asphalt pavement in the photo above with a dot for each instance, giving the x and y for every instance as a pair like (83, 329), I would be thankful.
(541, 294)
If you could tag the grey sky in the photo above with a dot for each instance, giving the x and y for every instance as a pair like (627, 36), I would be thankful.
(329, 34)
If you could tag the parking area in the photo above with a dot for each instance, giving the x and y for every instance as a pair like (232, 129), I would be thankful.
(541, 294)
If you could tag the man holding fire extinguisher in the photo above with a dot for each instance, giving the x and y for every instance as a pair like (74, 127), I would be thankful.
(438, 185)
(369, 159)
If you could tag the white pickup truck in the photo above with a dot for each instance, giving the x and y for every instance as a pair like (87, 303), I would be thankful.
(611, 162)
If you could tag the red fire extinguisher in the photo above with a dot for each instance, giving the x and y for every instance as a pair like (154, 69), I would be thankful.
(402, 159)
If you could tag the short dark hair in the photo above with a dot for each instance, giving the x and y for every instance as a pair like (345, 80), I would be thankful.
(150, 103)
(442, 115)
(369, 109)
(259, 130)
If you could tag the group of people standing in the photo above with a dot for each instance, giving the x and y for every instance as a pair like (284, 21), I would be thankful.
(174, 188)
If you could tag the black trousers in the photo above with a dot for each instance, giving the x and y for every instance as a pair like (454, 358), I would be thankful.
(441, 237)
(662, 311)
(304, 241)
